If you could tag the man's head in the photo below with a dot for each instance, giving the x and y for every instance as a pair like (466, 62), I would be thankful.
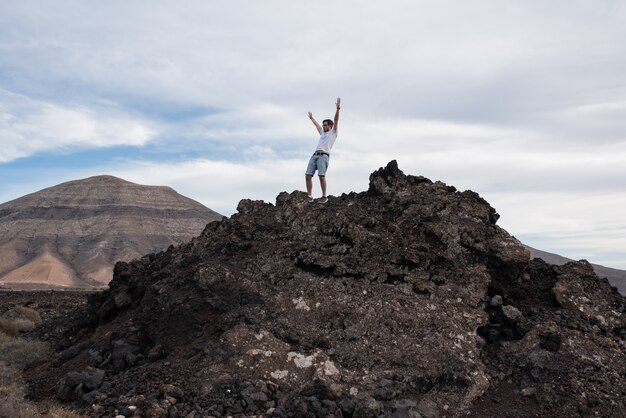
(327, 125)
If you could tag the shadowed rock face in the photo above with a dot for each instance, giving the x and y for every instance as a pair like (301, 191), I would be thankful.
(72, 234)
(406, 300)
(616, 277)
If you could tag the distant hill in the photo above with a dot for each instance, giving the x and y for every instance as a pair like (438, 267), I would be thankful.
(72, 234)
(616, 277)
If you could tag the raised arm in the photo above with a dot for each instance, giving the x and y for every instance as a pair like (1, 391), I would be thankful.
(317, 125)
(338, 104)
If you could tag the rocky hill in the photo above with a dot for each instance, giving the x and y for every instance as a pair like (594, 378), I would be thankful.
(406, 300)
(615, 276)
(71, 235)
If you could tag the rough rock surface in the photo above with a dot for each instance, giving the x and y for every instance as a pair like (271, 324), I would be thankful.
(405, 301)
(616, 277)
(72, 234)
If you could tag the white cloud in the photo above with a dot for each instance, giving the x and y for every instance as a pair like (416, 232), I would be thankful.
(598, 121)
(218, 184)
(575, 225)
(28, 126)
(403, 56)
(260, 122)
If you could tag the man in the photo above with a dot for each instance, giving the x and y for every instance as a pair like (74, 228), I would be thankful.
(319, 159)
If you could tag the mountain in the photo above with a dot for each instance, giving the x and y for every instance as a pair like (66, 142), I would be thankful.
(72, 234)
(405, 300)
(616, 277)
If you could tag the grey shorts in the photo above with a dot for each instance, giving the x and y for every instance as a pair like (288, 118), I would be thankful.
(319, 163)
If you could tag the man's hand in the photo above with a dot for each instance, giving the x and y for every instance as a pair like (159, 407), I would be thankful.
(310, 115)
(338, 103)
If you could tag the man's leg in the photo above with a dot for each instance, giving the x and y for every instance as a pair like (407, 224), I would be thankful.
(321, 172)
(323, 184)
(310, 170)
(309, 184)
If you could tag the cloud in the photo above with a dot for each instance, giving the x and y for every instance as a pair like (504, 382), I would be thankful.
(600, 121)
(482, 61)
(531, 68)
(580, 225)
(29, 126)
(218, 184)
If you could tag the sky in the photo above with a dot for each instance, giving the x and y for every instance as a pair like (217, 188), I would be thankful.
(523, 102)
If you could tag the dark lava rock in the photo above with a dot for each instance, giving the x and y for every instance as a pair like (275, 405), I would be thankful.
(75, 385)
(375, 303)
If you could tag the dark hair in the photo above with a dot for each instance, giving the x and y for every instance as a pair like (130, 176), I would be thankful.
(328, 121)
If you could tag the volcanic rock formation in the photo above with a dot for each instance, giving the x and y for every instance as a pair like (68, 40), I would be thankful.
(405, 301)
(616, 277)
(71, 235)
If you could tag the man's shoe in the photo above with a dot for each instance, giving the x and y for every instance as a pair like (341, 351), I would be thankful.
(309, 199)
(322, 200)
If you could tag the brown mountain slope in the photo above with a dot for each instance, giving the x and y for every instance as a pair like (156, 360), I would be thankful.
(616, 277)
(71, 235)
(46, 269)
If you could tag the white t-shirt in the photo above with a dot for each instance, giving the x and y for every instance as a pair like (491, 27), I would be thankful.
(327, 140)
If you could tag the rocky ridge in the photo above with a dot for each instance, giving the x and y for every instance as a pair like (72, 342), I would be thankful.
(406, 300)
(72, 234)
(615, 276)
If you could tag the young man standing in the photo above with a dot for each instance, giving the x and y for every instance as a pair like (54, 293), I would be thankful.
(319, 159)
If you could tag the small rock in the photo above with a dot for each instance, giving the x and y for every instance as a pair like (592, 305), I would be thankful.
(330, 369)
(347, 406)
(76, 385)
(511, 313)
(96, 357)
(496, 301)
(428, 409)
(528, 392)
(329, 405)
(173, 391)
(92, 378)
(65, 393)
(369, 407)
(155, 352)
(174, 413)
